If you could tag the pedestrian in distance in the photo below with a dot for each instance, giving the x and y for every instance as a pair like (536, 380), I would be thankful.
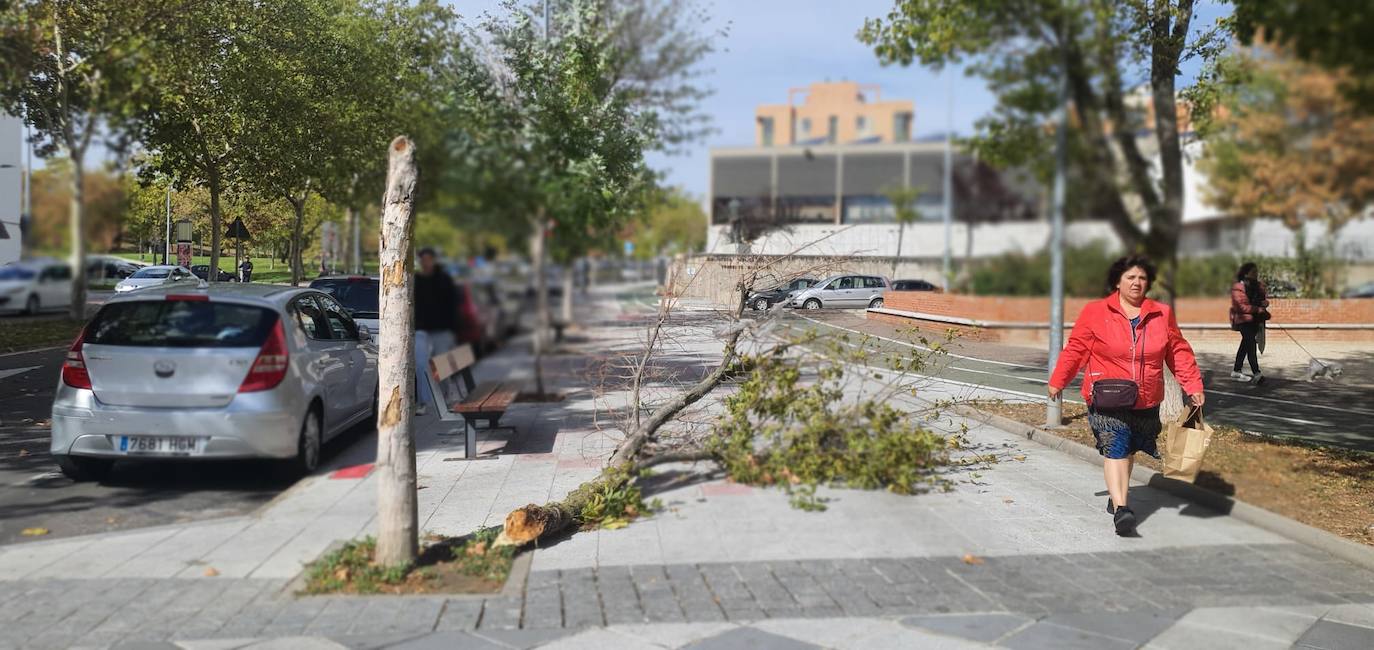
(436, 321)
(1249, 311)
(1122, 343)
(246, 270)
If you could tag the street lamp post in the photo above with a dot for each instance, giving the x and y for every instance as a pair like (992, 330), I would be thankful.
(948, 190)
(1054, 408)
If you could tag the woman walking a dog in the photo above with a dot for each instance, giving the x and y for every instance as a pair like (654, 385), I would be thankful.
(1124, 341)
(1249, 310)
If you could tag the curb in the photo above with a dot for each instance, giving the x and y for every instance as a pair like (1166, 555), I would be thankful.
(1317, 538)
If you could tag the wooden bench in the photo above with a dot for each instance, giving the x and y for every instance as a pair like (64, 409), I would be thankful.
(468, 400)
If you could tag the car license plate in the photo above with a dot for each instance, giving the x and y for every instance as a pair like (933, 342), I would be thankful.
(165, 445)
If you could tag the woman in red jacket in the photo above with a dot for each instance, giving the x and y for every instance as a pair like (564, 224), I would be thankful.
(1125, 340)
(1249, 310)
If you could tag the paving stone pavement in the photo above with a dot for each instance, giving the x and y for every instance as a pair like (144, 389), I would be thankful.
(1121, 599)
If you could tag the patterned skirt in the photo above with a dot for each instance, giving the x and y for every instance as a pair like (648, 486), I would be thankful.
(1122, 432)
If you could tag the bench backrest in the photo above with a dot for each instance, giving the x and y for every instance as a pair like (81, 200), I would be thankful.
(459, 360)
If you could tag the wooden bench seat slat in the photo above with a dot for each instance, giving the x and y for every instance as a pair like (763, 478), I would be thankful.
(500, 398)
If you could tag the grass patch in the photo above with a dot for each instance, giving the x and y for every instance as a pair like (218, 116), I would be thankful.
(446, 566)
(1321, 487)
(264, 270)
(17, 335)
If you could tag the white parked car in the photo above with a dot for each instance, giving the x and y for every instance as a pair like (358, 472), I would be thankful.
(221, 372)
(843, 292)
(35, 285)
(152, 276)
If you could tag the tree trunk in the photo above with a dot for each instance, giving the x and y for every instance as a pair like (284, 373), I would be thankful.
(78, 225)
(355, 255)
(397, 509)
(901, 232)
(541, 299)
(568, 295)
(297, 265)
(216, 225)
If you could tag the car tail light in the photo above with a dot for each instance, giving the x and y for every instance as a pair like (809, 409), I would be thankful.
(270, 367)
(74, 371)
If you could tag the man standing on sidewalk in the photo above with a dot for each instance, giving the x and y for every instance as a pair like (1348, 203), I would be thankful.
(436, 321)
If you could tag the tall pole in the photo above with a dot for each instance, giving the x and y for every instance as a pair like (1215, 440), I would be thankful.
(26, 217)
(167, 241)
(1054, 411)
(949, 184)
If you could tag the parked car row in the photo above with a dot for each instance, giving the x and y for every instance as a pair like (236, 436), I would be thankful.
(487, 316)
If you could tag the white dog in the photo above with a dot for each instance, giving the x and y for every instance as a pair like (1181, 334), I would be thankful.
(1318, 368)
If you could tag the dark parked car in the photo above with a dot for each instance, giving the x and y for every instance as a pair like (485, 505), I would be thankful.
(358, 294)
(202, 271)
(914, 285)
(1365, 290)
(761, 300)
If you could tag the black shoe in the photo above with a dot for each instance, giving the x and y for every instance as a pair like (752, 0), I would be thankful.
(1125, 521)
(1111, 509)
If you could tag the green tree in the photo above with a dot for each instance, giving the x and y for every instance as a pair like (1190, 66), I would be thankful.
(904, 210)
(552, 140)
(1023, 48)
(71, 68)
(1332, 33)
(674, 224)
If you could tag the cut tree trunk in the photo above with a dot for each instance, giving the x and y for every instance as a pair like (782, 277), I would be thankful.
(397, 508)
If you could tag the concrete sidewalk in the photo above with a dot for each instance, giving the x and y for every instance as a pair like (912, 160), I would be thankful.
(1018, 554)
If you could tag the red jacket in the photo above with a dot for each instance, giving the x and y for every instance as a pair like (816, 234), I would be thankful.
(1101, 341)
(1242, 311)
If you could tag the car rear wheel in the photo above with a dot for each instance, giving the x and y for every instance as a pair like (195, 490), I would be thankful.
(80, 468)
(307, 457)
(31, 306)
(760, 304)
(876, 303)
(812, 304)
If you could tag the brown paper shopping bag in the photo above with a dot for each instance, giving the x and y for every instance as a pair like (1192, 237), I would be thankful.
(1185, 443)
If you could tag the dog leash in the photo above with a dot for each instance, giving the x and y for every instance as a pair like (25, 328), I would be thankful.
(1300, 346)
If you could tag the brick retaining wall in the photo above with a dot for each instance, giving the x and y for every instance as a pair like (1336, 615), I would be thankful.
(1025, 320)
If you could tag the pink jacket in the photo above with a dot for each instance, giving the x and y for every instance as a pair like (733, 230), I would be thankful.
(1101, 341)
(1241, 309)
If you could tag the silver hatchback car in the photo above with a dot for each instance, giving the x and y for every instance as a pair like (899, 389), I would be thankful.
(222, 372)
(844, 292)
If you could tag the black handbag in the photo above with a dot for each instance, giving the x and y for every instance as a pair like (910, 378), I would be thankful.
(1115, 394)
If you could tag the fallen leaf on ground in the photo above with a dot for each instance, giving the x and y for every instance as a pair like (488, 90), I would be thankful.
(34, 532)
(970, 558)
(23, 453)
(110, 520)
(211, 572)
(1020, 458)
(1008, 501)
(615, 524)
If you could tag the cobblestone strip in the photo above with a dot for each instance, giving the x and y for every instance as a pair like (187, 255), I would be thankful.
(102, 612)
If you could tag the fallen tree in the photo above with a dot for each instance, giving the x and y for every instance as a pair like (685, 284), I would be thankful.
(757, 430)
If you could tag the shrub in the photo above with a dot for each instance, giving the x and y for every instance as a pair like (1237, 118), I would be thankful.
(777, 430)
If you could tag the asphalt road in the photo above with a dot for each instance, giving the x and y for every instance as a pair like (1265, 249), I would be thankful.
(1325, 413)
(34, 494)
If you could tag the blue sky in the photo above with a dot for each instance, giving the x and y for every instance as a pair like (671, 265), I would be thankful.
(774, 45)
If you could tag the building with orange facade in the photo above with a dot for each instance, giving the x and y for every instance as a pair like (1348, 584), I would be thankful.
(844, 112)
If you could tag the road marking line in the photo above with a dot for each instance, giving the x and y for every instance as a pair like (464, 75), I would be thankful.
(48, 349)
(1282, 401)
(16, 371)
